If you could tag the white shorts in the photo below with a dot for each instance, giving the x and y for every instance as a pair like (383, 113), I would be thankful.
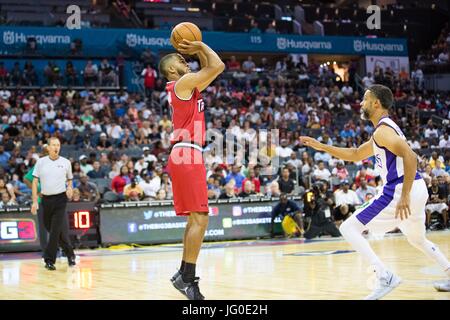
(378, 214)
(439, 207)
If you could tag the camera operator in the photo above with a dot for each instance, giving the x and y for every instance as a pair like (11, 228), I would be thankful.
(317, 212)
(289, 211)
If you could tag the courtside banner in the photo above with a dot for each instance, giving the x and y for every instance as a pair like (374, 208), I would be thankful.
(152, 224)
(18, 232)
(109, 42)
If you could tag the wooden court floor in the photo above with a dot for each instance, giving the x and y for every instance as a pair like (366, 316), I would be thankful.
(281, 269)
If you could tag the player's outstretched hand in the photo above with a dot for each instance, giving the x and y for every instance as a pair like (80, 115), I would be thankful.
(403, 211)
(311, 142)
(189, 47)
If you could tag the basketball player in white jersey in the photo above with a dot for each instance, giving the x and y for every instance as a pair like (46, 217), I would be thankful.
(401, 203)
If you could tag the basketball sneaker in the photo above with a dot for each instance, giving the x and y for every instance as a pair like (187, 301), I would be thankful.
(189, 289)
(386, 282)
(442, 286)
(175, 276)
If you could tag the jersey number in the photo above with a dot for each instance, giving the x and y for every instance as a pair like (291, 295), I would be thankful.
(200, 105)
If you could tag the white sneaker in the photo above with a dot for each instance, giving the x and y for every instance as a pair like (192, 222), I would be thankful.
(442, 286)
(386, 282)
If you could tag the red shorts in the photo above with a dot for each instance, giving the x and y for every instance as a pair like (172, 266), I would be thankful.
(188, 174)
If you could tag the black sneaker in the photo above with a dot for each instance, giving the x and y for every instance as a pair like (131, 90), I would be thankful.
(50, 266)
(178, 273)
(72, 261)
(189, 289)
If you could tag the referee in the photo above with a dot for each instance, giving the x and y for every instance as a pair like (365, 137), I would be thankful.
(54, 172)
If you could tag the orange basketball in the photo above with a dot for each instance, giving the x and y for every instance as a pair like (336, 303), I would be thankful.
(185, 30)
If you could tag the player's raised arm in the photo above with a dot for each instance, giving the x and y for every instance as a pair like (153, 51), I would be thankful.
(212, 66)
(364, 151)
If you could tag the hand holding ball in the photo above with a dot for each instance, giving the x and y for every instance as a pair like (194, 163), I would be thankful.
(184, 31)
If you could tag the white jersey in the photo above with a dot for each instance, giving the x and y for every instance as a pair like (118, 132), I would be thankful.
(388, 164)
(379, 213)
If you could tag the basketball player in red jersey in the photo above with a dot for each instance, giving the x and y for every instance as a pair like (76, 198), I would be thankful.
(186, 165)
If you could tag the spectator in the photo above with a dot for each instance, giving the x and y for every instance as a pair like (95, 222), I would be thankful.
(439, 169)
(6, 201)
(150, 76)
(364, 190)
(433, 160)
(363, 174)
(436, 202)
(444, 142)
(368, 81)
(88, 190)
(90, 74)
(85, 167)
(340, 171)
(247, 190)
(166, 184)
(255, 29)
(161, 195)
(4, 157)
(133, 191)
(284, 150)
(296, 163)
(235, 175)
(287, 208)
(71, 74)
(119, 182)
(103, 144)
(29, 74)
(251, 176)
(7, 188)
(271, 29)
(148, 157)
(233, 64)
(321, 173)
(107, 75)
(148, 185)
(248, 66)
(228, 192)
(76, 195)
(96, 172)
(52, 73)
(345, 195)
(16, 75)
(285, 182)
(347, 90)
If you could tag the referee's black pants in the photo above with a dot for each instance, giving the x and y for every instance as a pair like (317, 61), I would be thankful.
(57, 224)
(43, 234)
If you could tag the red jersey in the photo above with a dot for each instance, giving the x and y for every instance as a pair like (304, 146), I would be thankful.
(188, 117)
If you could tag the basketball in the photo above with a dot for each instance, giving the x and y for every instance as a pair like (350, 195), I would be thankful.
(185, 31)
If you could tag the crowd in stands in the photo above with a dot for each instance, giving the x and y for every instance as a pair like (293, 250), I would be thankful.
(437, 57)
(119, 143)
(104, 74)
